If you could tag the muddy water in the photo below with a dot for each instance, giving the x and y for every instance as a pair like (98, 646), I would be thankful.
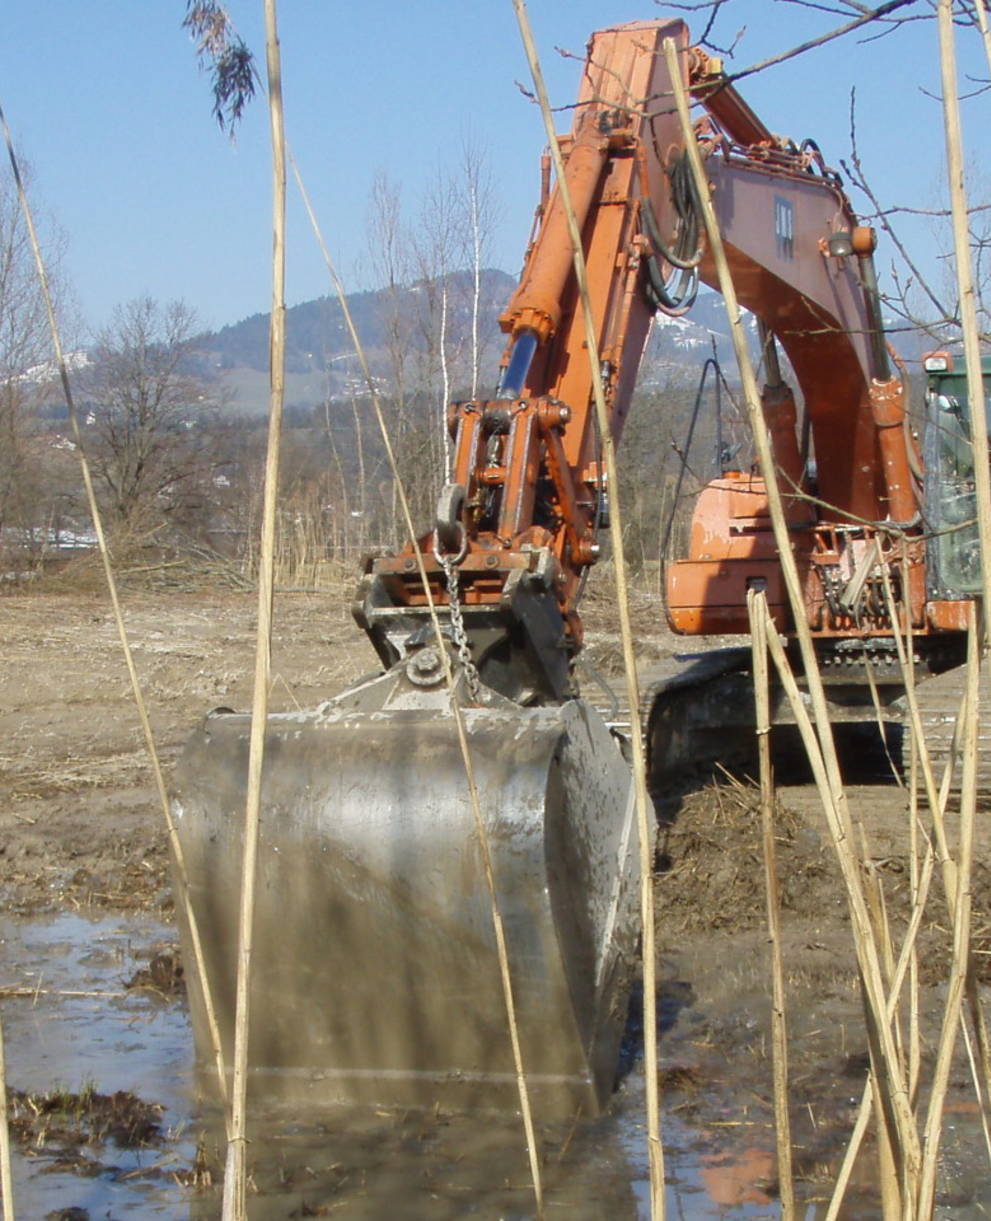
(113, 1041)
(367, 1165)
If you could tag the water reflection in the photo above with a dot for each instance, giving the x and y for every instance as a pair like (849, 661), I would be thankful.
(104, 1037)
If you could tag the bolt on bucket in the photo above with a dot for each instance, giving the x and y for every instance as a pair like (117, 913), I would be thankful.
(375, 977)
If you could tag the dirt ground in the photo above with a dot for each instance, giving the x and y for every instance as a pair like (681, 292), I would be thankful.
(80, 827)
(80, 822)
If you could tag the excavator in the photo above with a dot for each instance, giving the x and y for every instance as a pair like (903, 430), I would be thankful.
(375, 977)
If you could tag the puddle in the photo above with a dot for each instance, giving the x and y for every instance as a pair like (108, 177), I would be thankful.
(366, 1165)
(110, 1040)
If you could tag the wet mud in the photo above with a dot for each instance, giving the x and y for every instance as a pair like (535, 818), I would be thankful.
(134, 1139)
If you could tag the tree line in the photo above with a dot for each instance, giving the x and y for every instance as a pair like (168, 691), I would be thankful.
(178, 465)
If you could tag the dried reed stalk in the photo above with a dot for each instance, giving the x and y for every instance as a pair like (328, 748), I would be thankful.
(961, 933)
(914, 1030)
(982, 1100)
(920, 879)
(235, 1178)
(6, 1179)
(876, 1023)
(880, 722)
(181, 874)
(967, 295)
(759, 619)
(907, 963)
(949, 866)
(972, 355)
(893, 1089)
(481, 830)
(980, 8)
(935, 798)
(852, 1150)
(644, 808)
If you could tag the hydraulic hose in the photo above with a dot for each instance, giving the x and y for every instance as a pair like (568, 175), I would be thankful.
(677, 295)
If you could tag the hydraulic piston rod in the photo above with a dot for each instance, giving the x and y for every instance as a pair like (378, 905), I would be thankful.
(514, 376)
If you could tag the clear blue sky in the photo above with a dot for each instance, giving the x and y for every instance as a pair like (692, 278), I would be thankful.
(106, 102)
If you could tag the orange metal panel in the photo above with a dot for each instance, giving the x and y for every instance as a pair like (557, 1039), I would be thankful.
(948, 616)
(709, 597)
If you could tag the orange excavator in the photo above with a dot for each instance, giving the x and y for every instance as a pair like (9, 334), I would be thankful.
(375, 974)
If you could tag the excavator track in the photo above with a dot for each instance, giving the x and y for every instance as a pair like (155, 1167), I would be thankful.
(939, 703)
(688, 704)
(696, 711)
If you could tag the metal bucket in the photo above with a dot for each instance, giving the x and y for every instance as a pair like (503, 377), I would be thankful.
(375, 978)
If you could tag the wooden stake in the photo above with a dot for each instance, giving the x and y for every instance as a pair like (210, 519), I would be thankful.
(644, 807)
(894, 1091)
(235, 1178)
(759, 621)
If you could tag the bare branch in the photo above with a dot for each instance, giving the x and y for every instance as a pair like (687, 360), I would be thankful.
(883, 10)
(857, 176)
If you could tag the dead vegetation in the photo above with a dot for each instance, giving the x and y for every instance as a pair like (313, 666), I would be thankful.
(79, 823)
(163, 977)
(711, 871)
(62, 1122)
(92, 840)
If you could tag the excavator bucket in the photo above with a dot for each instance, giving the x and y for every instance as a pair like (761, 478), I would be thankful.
(375, 978)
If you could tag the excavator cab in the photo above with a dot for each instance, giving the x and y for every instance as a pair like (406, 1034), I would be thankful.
(954, 554)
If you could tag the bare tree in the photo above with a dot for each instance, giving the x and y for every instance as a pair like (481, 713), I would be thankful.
(882, 18)
(147, 411)
(24, 349)
(436, 254)
(478, 206)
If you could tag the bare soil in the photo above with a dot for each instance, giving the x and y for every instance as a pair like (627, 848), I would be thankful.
(80, 821)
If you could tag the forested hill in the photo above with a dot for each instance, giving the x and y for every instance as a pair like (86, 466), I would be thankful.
(315, 330)
(400, 330)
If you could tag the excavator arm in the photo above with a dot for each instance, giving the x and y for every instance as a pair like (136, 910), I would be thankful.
(529, 493)
(369, 847)
(522, 516)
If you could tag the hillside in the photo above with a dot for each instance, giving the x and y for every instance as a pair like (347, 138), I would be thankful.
(402, 324)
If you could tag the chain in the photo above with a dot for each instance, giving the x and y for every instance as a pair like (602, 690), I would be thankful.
(460, 636)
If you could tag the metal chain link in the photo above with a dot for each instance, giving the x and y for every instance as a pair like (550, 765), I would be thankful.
(460, 636)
